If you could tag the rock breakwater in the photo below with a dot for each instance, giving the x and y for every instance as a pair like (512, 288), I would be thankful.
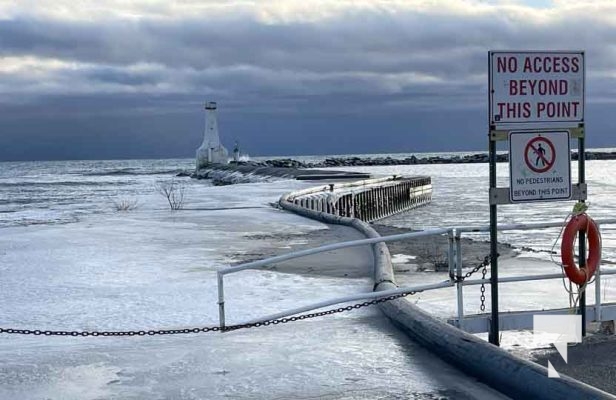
(353, 161)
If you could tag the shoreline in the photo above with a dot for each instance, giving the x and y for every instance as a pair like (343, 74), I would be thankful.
(411, 160)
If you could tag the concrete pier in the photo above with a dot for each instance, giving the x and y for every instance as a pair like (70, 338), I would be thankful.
(368, 200)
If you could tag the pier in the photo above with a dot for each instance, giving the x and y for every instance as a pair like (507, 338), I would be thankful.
(367, 200)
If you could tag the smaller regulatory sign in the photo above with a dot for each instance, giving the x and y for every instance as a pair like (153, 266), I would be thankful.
(539, 166)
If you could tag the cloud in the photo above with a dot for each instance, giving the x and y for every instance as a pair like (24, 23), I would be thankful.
(285, 56)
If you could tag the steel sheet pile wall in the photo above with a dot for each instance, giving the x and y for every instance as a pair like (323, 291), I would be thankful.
(367, 200)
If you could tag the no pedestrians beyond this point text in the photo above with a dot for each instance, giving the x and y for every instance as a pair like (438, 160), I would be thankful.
(539, 166)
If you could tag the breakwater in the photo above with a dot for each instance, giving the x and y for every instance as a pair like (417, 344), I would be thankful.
(225, 174)
(368, 200)
(352, 161)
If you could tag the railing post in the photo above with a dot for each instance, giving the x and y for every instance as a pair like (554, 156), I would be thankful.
(459, 286)
(221, 301)
(407, 196)
(370, 201)
(451, 254)
(379, 203)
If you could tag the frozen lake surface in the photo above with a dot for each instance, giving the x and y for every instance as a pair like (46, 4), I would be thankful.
(150, 268)
(71, 261)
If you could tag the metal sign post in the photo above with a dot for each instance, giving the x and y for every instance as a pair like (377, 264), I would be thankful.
(494, 328)
(536, 102)
(582, 234)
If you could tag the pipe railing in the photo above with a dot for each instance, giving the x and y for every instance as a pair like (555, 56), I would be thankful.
(515, 227)
(454, 235)
(302, 253)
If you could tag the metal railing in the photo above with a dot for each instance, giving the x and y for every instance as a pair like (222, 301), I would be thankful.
(457, 264)
(454, 235)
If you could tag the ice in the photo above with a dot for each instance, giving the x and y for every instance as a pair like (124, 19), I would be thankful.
(152, 268)
(402, 258)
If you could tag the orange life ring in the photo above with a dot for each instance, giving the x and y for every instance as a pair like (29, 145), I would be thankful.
(581, 222)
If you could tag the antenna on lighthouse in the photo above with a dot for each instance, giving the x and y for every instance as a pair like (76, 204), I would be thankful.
(211, 150)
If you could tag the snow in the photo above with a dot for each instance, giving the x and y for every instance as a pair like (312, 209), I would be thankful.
(151, 268)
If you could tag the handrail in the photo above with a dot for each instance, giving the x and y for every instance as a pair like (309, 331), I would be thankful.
(523, 278)
(524, 227)
(454, 264)
(302, 253)
(330, 247)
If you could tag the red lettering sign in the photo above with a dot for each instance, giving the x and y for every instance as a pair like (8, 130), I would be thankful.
(536, 87)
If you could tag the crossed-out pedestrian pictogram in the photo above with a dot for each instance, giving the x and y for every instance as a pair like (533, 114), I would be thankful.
(539, 154)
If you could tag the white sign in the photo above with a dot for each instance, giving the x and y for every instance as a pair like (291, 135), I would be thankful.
(539, 166)
(536, 87)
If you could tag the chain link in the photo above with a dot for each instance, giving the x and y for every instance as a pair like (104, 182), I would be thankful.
(38, 332)
(483, 264)
(319, 314)
(206, 329)
(482, 296)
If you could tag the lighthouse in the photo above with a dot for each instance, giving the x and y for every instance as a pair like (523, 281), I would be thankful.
(211, 150)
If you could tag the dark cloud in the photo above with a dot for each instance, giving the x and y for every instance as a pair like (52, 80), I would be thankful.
(345, 73)
(122, 77)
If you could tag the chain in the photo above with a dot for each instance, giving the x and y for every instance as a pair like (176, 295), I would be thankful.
(483, 264)
(482, 296)
(38, 332)
(320, 313)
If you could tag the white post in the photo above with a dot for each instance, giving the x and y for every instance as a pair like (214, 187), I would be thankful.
(451, 260)
(459, 286)
(221, 301)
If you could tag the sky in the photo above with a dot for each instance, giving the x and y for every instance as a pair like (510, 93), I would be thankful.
(96, 79)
